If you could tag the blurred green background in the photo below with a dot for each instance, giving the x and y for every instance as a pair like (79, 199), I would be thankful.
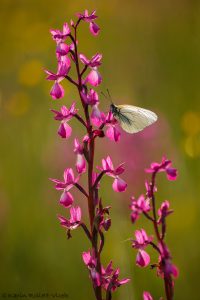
(151, 59)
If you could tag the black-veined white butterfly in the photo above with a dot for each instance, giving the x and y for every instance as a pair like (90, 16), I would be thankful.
(131, 118)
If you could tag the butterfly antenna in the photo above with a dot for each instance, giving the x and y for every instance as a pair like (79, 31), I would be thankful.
(110, 98)
(104, 95)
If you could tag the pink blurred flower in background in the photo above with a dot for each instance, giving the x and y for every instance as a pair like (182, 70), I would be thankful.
(119, 185)
(164, 166)
(139, 206)
(141, 242)
(147, 296)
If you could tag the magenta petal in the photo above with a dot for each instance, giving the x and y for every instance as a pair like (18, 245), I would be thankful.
(124, 281)
(66, 29)
(80, 164)
(134, 216)
(147, 296)
(64, 222)
(63, 67)
(142, 258)
(119, 185)
(64, 130)
(68, 176)
(107, 164)
(96, 116)
(174, 271)
(95, 277)
(139, 237)
(84, 59)
(94, 77)
(94, 28)
(92, 98)
(75, 213)
(62, 49)
(51, 75)
(86, 257)
(171, 173)
(66, 199)
(96, 60)
(57, 91)
(112, 133)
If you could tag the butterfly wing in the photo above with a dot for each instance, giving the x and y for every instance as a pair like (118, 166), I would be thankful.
(134, 119)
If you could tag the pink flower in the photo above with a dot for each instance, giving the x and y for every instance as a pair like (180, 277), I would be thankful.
(110, 281)
(60, 36)
(164, 211)
(138, 207)
(66, 198)
(142, 258)
(164, 166)
(94, 28)
(80, 161)
(147, 296)
(57, 90)
(73, 222)
(142, 239)
(90, 261)
(62, 49)
(119, 185)
(112, 132)
(80, 164)
(94, 77)
(64, 115)
(91, 98)
(141, 242)
(96, 116)
(95, 61)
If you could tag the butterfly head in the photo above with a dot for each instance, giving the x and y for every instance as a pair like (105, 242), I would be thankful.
(113, 109)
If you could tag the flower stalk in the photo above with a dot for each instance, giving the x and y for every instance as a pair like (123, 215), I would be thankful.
(165, 269)
(94, 121)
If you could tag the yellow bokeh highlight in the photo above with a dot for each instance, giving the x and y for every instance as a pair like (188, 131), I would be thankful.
(18, 104)
(31, 73)
(191, 123)
(192, 146)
